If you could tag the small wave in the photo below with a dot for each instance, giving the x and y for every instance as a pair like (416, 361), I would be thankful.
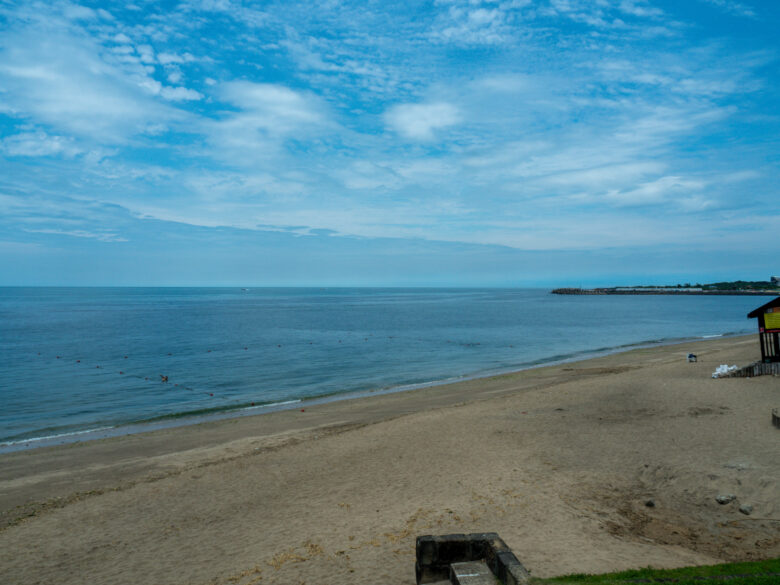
(12, 442)
(211, 411)
(270, 404)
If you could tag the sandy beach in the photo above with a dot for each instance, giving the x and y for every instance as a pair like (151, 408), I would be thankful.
(560, 461)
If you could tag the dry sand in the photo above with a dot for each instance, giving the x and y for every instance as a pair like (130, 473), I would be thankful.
(559, 461)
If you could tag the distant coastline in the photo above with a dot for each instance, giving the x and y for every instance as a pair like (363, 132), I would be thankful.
(660, 291)
(736, 287)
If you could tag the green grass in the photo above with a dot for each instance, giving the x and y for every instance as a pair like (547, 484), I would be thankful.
(752, 573)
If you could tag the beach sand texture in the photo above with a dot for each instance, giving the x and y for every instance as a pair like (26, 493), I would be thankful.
(560, 461)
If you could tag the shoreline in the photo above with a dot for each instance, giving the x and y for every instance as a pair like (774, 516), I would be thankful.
(664, 291)
(559, 460)
(185, 419)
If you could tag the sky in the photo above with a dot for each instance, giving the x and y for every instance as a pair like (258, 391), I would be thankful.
(444, 143)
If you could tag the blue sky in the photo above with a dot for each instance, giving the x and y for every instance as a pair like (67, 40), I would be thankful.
(502, 143)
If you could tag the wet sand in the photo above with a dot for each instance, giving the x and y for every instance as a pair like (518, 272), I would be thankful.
(560, 461)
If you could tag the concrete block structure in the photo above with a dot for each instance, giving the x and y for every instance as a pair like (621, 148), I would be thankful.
(481, 558)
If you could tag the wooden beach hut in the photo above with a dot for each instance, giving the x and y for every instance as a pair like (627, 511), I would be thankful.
(768, 316)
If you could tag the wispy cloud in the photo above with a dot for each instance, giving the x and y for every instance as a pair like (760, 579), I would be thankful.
(103, 236)
(60, 79)
(261, 118)
(422, 121)
(732, 7)
(38, 144)
(470, 23)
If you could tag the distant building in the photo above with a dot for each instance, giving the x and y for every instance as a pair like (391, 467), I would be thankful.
(775, 279)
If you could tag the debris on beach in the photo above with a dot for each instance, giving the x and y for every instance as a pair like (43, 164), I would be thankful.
(746, 509)
(723, 370)
(724, 499)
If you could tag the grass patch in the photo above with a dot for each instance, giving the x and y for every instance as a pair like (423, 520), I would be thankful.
(752, 573)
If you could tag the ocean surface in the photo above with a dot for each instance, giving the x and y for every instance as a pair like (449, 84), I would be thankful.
(85, 362)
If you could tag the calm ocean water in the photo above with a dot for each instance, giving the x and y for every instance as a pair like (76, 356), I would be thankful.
(78, 359)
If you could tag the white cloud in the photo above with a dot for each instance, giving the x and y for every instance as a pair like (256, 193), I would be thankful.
(146, 53)
(305, 57)
(362, 175)
(103, 236)
(268, 115)
(639, 8)
(606, 176)
(174, 75)
(474, 23)
(165, 58)
(274, 107)
(663, 189)
(78, 12)
(732, 7)
(180, 94)
(38, 144)
(422, 121)
(59, 79)
(663, 123)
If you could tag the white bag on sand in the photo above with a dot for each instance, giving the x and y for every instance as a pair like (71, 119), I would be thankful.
(723, 369)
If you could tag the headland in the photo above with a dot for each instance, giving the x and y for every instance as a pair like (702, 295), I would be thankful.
(736, 287)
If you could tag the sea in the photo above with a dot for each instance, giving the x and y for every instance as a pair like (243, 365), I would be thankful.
(82, 363)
